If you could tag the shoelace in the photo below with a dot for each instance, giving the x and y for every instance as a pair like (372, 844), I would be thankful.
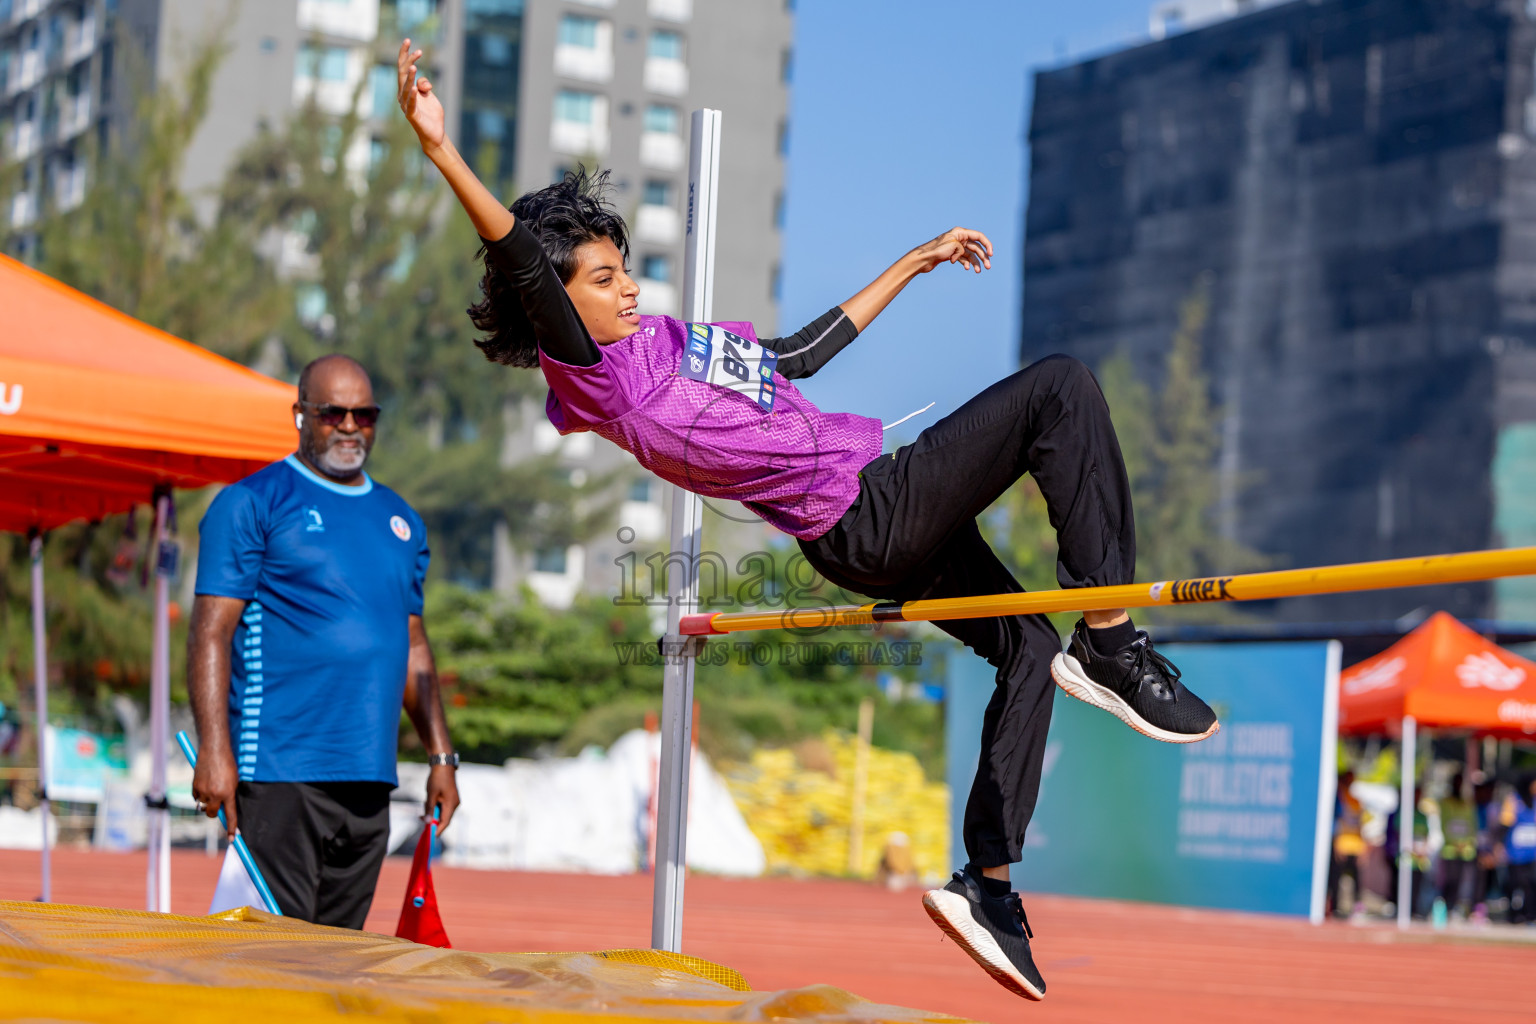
(1017, 906)
(1145, 650)
(1011, 901)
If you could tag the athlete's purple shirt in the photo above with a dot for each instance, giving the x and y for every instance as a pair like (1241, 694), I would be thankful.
(797, 466)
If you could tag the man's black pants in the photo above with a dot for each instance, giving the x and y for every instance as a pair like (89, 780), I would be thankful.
(912, 534)
(319, 845)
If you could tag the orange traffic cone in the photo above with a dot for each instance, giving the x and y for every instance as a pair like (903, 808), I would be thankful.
(419, 919)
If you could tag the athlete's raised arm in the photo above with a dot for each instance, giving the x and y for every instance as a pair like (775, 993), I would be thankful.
(425, 113)
(969, 249)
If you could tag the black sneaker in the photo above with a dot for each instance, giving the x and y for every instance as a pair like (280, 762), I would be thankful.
(1136, 685)
(993, 931)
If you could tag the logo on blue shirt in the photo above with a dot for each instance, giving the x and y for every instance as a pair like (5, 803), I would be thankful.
(313, 523)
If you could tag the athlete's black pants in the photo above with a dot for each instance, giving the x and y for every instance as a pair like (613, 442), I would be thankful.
(912, 534)
(319, 845)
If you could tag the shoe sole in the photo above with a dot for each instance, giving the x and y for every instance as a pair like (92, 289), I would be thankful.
(952, 913)
(1069, 675)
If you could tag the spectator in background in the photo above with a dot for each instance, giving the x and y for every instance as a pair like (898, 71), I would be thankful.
(1516, 835)
(1426, 842)
(306, 639)
(1458, 857)
(1348, 848)
(1486, 877)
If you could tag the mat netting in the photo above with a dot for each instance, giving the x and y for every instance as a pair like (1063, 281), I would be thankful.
(60, 962)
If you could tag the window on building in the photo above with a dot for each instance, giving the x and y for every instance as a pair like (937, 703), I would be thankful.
(410, 13)
(574, 107)
(309, 303)
(665, 45)
(495, 50)
(549, 560)
(776, 283)
(657, 193)
(578, 30)
(661, 119)
(778, 211)
(783, 140)
(640, 490)
(786, 65)
(656, 268)
(106, 71)
(490, 125)
(382, 83)
(327, 63)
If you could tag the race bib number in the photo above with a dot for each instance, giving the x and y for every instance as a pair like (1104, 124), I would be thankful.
(1523, 837)
(716, 356)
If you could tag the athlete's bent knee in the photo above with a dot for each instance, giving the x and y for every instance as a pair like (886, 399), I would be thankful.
(1065, 369)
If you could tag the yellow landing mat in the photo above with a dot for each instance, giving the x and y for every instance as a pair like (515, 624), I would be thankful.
(64, 963)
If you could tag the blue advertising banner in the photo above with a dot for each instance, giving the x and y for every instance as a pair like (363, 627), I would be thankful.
(1240, 821)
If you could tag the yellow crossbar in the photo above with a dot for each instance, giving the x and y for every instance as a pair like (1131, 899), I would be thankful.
(1256, 586)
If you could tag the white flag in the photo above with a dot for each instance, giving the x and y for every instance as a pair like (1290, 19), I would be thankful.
(235, 888)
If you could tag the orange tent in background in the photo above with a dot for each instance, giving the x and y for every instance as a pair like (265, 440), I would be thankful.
(1444, 676)
(97, 409)
(1440, 676)
(99, 413)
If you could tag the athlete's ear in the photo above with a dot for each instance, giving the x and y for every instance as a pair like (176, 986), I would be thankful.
(298, 420)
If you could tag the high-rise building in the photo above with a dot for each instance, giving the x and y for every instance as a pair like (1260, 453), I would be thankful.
(532, 88)
(1355, 183)
(60, 89)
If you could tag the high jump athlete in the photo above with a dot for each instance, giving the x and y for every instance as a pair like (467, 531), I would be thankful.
(712, 409)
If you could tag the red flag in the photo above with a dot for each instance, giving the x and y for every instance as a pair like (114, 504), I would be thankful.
(419, 919)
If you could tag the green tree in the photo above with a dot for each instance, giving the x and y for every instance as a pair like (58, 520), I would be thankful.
(137, 243)
(520, 677)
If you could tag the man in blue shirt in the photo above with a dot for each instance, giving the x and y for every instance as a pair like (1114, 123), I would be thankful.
(306, 640)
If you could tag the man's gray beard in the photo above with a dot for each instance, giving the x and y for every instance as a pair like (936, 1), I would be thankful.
(335, 463)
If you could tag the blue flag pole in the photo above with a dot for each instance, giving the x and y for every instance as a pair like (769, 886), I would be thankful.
(241, 850)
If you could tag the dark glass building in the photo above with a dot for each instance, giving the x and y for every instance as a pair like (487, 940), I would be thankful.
(1357, 181)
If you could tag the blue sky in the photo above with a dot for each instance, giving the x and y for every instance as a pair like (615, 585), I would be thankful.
(907, 118)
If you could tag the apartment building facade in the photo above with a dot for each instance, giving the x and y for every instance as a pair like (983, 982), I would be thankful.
(60, 86)
(532, 88)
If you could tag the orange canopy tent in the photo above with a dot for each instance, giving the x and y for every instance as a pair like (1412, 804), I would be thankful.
(97, 409)
(1444, 676)
(99, 413)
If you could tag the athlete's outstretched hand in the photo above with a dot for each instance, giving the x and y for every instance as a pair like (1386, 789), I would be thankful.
(970, 249)
(422, 107)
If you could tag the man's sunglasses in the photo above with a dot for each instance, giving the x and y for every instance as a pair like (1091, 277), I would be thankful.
(335, 415)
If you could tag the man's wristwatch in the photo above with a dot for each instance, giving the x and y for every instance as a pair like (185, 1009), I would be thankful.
(451, 760)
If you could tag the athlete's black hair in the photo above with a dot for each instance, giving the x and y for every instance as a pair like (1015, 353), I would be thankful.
(563, 217)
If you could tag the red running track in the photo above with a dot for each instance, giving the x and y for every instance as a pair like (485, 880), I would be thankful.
(1103, 961)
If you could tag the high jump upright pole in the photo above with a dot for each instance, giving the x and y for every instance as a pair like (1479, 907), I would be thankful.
(680, 652)
(158, 881)
(40, 704)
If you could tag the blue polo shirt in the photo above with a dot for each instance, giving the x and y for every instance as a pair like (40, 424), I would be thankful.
(330, 575)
